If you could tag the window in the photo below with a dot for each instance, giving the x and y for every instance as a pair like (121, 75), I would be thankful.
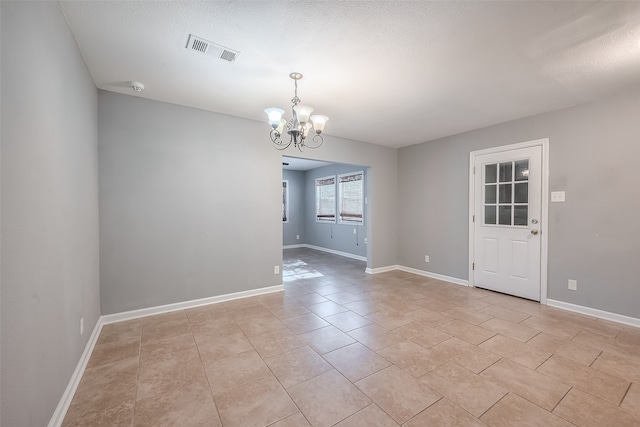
(351, 197)
(326, 199)
(285, 201)
(506, 193)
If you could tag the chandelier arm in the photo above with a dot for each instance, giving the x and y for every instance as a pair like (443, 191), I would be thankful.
(277, 141)
(317, 141)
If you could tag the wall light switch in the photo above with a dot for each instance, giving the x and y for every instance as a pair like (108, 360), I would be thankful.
(276, 269)
(426, 258)
(573, 284)
(297, 237)
(354, 231)
(365, 240)
(557, 196)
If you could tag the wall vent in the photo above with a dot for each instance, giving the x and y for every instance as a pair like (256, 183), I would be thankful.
(206, 47)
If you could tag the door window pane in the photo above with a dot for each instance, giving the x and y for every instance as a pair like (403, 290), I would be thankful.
(489, 214)
(505, 215)
(520, 215)
(522, 170)
(489, 193)
(490, 173)
(505, 172)
(505, 193)
(522, 192)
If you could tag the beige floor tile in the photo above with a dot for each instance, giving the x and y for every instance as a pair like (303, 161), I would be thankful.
(328, 398)
(429, 317)
(182, 373)
(205, 313)
(234, 371)
(524, 354)
(434, 304)
(466, 331)
(628, 336)
(443, 413)
(296, 366)
(375, 337)
(347, 321)
(295, 420)
(469, 356)
(562, 330)
(304, 323)
(411, 357)
(167, 349)
(356, 361)
(113, 352)
(363, 307)
(514, 411)
(604, 328)
(170, 325)
(326, 339)
(343, 297)
(473, 317)
(632, 399)
(397, 393)
(389, 319)
(468, 303)
(400, 305)
(193, 406)
(372, 415)
(422, 334)
(275, 342)
(218, 347)
(621, 366)
(596, 341)
(593, 381)
(277, 299)
(287, 310)
(309, 299)
(113, 415)
(585, 410)
(510, 329)
(327, 308)
(501, 300)
(122, 331)
(461, 386)
(256, 404)
(569, 349)
(221, 325)
(505, 313)
(537, 388)
(262, 325)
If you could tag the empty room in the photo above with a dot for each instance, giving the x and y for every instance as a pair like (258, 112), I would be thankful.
(337, 213)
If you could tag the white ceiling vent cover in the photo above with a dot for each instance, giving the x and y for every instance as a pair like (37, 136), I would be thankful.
(206, 47)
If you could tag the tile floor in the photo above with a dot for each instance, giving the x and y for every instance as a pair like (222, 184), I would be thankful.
(340, 347)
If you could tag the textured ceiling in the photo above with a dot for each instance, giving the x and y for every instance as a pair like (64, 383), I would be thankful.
(389, 73)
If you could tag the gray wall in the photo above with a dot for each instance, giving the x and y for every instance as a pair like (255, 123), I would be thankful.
(49, 217)
(187, 196)
(339, 237)
(295, 226)
(593, 236)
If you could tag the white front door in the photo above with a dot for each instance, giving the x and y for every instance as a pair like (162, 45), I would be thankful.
(507, 216)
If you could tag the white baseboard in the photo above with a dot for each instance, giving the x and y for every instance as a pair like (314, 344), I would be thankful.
(167, 308)
(67, 396)
(331, 251)
(379, 270)
(63, 406)
(437, 276)
(601, 314)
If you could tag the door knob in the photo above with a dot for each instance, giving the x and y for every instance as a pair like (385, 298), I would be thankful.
(534, 232)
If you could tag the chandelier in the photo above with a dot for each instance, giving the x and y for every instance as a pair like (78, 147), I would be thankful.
(299, 126)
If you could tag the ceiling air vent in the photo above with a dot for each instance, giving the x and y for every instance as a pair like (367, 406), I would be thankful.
(212, 49)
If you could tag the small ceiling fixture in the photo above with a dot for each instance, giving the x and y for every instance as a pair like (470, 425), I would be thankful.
(299, 126)
(136, 86)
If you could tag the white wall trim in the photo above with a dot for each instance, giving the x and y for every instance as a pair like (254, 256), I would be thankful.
(301, 245)
(601, 314)
(167, 308)
(437, 276)
(74, 381)
(331, 251)
(379, 270)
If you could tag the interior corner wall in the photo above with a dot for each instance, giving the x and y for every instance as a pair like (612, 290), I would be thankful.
(295, 227)
(337, 237)
(49, 215)
(593, 236)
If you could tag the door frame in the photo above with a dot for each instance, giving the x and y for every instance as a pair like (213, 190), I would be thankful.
(544, 223)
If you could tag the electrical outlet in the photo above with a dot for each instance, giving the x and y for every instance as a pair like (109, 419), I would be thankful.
(365, 240)
(426, 258)
(354, 231)
(297, 237)
(276, 269)
(81, 326)
(573, 285)
(557, 196)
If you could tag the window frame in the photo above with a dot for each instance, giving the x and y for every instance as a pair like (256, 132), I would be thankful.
(339, 190)
(320, 219)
